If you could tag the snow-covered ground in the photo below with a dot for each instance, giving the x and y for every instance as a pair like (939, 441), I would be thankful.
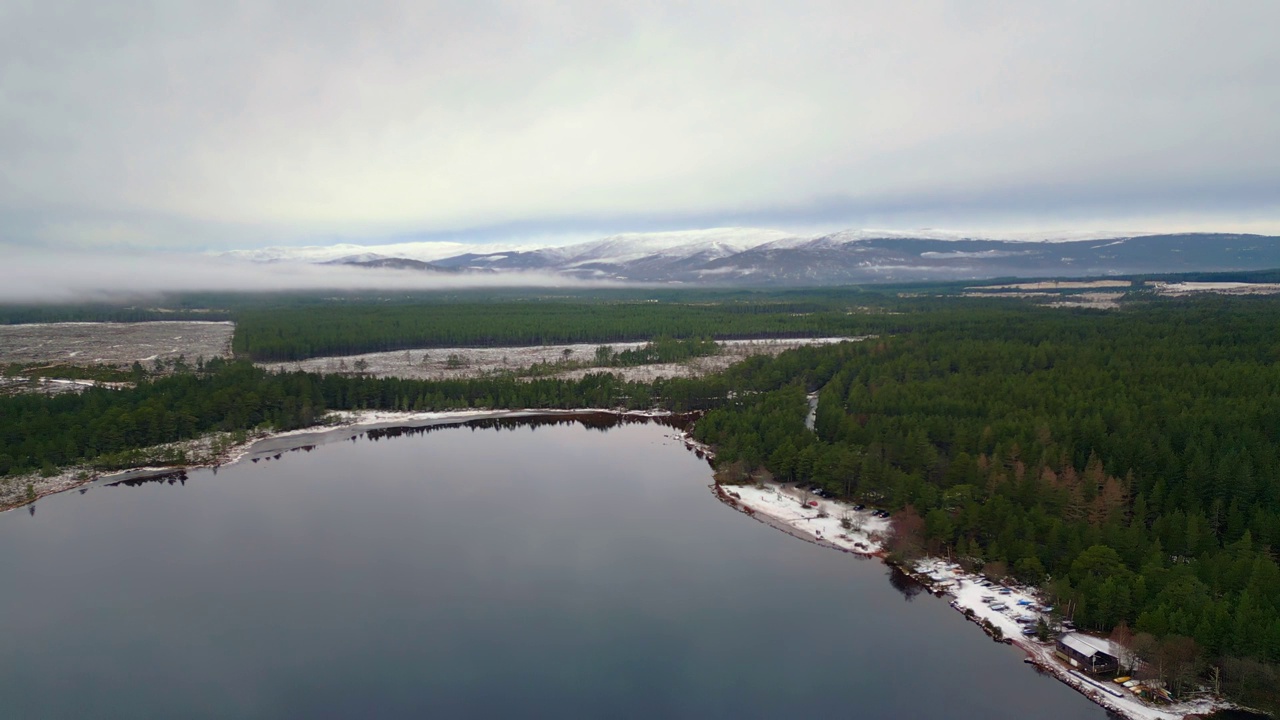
(1095, 300)
(1056, 285)
(118, 344)
(454, 363)
(51, 386)
(816, 518)
(1224, 288)
(970, 594)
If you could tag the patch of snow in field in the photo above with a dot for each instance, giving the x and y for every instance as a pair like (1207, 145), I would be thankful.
(162, 324)
(117, 344)
(1095, 300)
(454, 363)
(18, 384)
(1056, 285)
(1225, 288)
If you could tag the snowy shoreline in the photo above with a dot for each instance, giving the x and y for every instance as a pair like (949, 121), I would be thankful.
(341, 425)
(990, 606)
(808, 517)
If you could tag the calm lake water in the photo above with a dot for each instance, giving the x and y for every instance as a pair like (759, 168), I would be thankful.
(556, 571)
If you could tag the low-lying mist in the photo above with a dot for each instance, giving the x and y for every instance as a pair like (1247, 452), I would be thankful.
(76, 277)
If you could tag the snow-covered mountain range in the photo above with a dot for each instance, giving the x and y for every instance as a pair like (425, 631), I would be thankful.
(750, 256)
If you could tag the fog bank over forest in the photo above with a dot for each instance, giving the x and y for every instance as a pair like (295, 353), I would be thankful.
(65, 277)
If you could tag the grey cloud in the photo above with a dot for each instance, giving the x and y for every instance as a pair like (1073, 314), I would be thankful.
(231, 124)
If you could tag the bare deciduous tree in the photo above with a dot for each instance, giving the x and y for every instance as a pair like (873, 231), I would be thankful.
(906, 533)
(1179, 657)
(1123, 640)
(852, 521)
(735, 473)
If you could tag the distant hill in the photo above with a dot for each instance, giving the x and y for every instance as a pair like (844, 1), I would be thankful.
(743, 256)
(393, 263)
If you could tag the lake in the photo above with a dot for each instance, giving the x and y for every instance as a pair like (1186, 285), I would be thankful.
(555, 570)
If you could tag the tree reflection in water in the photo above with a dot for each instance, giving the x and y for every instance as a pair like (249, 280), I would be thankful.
(904, 584)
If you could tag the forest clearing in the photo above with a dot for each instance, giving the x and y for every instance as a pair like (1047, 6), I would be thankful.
(568, 362)
(114, 344)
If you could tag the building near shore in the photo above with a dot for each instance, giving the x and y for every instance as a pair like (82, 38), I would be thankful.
(1090, 654)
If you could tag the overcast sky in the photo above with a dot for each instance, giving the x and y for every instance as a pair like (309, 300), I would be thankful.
(238, 124)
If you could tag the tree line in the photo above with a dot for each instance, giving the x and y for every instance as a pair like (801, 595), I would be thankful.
(296, 333)
(40, 432)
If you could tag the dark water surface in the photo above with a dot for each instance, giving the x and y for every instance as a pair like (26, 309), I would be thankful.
(553, 572)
